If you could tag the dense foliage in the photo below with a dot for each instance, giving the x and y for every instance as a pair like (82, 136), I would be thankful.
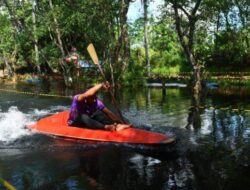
(36, 36)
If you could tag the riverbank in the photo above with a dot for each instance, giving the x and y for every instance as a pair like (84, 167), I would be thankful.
(29, 78)
(222, 78)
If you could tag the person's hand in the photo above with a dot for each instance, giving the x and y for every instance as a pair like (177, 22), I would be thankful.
(106, 85)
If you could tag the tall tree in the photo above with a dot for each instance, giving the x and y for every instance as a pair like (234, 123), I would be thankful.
(66, 72)
(6, 42)
(57, 29)
(244, 15)
(186, 15)
(16, 23)
(231, 35)
(17, 27)
(35, 35)
(146, 43)
(121, 53)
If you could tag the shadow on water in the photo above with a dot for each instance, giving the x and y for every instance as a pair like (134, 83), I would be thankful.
(212, 149)
(50, 163)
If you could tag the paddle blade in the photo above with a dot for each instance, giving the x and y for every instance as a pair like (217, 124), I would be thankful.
(92, 53)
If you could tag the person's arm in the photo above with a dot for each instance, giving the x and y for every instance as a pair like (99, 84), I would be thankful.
(92, 91)
(111, 115)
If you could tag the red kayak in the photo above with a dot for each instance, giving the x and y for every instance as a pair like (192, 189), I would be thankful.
(57, 125)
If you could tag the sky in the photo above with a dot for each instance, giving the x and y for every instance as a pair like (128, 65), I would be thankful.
(136, 9)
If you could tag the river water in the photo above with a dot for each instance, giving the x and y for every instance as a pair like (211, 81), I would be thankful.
(212, 149)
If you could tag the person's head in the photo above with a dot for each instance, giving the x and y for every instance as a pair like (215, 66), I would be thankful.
(73, 49)
(91, 99)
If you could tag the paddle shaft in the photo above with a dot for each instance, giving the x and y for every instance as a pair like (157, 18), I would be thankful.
(112, 95)
(93, 55)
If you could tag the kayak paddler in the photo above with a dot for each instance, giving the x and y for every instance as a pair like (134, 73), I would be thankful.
(86, 107)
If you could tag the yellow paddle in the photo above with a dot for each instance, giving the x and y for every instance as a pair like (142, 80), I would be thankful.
(7, 184)
(93, 55)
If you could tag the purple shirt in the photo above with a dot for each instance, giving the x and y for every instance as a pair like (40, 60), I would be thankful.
(79, 108)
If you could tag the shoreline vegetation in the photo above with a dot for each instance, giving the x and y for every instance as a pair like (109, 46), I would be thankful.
(196, 36)
(222, 78)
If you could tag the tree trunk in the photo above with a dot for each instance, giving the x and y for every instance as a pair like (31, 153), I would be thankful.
(35, 36)
(112, 73)
(58, 33)
(66, 73)
(146, 45)
(187, 45)
(122, 50)
(197, 79)
(16, 24)
(196, 72)
(243, 13)
(10, 72)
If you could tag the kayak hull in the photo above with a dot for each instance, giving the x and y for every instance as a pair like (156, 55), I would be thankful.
(56, 125)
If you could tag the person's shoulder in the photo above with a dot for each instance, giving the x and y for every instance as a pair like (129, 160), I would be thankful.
(75, 98)
(100, 103)
(76, 95)
(99, 100)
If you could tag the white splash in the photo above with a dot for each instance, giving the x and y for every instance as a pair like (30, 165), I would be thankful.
(40, 113)
(12, 124)
(52, 109)
(153, 161)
